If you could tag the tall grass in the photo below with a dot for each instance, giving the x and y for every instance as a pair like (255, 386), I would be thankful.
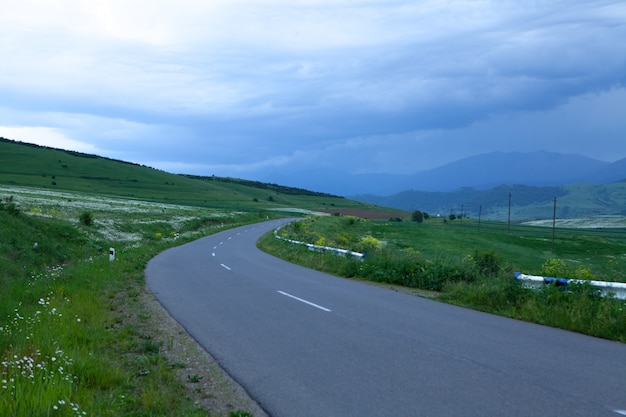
(578, 308)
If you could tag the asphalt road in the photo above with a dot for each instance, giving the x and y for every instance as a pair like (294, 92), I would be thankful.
(305, 343)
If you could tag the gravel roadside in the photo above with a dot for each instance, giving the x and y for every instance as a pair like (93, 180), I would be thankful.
(205, 381)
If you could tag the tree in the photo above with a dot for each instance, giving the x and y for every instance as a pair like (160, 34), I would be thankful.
(417, 216)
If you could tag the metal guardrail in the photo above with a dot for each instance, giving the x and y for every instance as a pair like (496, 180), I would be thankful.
(341, 252)
(607, 288)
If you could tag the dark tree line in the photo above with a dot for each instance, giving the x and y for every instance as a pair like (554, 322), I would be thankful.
(263, 185)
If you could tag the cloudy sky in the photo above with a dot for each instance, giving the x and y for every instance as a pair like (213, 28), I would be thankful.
(252, 88)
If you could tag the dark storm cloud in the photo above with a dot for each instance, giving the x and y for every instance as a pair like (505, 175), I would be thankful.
(245, 87)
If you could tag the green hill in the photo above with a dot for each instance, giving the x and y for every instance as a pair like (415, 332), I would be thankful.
(527, 202)
(41, 167)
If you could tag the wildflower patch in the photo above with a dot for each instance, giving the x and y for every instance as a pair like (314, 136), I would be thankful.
(35, 372)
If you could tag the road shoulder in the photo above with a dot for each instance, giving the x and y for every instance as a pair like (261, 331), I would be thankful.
(204, 380)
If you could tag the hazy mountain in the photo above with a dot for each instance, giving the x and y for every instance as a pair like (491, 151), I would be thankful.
(612, 172)
(480, 172)
(481, 185)
(535, 169)
(341, 183)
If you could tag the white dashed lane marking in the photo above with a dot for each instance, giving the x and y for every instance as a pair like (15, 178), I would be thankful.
(304, 301)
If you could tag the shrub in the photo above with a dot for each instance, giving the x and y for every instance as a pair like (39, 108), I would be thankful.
(351, 220)
(487, 263)
(583, 273)
(554, 268)
(342, 240)
(369, 243)
(9, 205)
(417, 216)
(86, 218)
(298, 226)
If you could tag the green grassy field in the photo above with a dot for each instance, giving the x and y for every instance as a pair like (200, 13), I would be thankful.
(522, 248)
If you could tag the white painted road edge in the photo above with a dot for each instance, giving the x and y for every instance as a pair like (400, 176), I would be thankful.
(304, 301)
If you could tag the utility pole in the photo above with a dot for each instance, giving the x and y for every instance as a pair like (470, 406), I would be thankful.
(480, 212)
(508, 224)
(553, 224)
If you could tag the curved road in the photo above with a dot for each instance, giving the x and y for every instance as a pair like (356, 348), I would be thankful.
(305, 343)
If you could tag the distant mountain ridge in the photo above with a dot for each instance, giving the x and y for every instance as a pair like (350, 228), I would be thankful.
(484, 171)
(481, 185)
(539, 168)
(527, 203)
